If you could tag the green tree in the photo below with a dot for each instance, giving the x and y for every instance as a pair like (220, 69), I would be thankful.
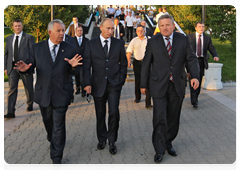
(35, 18)
(222, 21)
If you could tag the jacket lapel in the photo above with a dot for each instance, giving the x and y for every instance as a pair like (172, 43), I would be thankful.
(22, 40)
(60, 53)
(112, 46)
(99, 46)
(174, 43)
(46, 52)
(162, 44)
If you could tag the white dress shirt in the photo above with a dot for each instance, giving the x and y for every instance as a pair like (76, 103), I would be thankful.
(138, 47)
(129, 20)
(201, 44)
(19, 40)
(103, 43)
(78, 39)
(51, 44)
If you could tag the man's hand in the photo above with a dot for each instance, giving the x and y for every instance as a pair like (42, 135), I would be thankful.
(74, 61)
(21, 66)
(88, 89)
(194, 83)
(129, 63)
(216, 59)
(5, 71)
(143, 90)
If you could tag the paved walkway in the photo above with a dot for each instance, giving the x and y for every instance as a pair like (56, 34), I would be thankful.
(207, 135)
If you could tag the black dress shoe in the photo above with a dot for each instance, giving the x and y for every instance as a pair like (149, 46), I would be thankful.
(158, 157)
(9, 115)
(29, 109)
(112, 148)
(77, 92)
(101, 145)
(195, 105)
(172, 152)
(136, 101)
(57, 165)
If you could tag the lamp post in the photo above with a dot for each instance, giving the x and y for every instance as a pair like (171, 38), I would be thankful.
(52, 12)
(203, 13)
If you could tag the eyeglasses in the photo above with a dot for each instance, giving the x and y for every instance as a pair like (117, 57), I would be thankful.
(88, 97)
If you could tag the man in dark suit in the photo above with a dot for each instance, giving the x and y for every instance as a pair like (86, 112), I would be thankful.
(200, 43)
(107, 58)
(166, 55)
(17, 48)
(69, 40)
(72, 28)
(148, 31)
(55, 61)
(119, 30)
(80, 41)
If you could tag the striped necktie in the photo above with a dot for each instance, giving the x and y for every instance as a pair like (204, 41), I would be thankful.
(169, 49)
(53, 53)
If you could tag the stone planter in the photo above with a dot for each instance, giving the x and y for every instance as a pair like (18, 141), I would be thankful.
(212, 78)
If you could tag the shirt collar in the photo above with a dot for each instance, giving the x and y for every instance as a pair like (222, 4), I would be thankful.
(103, 39)
(51, 44)
(171, 36)
(198, 34)
(19, 35)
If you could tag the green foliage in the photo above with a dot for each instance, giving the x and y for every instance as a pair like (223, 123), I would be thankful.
(222, 21)
(35, 18)
(227, 56)
(185, 15)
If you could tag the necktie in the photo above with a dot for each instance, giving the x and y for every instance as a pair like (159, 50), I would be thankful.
(53, 53)
(169, 49)
(116, 33)
(106, 47)
(199, 46)
(16, 49)
(79, 41)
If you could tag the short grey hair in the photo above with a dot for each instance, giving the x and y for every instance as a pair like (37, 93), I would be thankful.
(166, 16)
(58, 21)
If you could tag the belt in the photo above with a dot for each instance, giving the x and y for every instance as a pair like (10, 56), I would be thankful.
(138, 60)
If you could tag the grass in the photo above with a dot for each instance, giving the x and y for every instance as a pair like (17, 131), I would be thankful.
(227, 56)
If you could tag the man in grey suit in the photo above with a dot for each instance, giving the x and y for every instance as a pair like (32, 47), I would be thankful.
(55, 62)
(17, 48)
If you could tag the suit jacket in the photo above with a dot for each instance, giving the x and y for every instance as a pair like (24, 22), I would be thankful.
(122, 30)
(70, 40)
(54, 80)
(157, 58)
(149, 32)
(25, 45)
(112, 68)
(81, 48)
(207, 45)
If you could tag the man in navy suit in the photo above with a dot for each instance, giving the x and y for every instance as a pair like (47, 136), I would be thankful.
(80, 41)
(18, 48)
(55, 62)
(106, 57)
(201, 43)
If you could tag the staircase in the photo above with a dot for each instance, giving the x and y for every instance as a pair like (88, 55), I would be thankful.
(96, 32)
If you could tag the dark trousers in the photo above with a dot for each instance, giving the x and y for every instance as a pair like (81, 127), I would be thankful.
(54, 122)
(27, 80)
(129, 29)
(166, 115)
(112, 96)
(79, 80)
(137, 67)
(195, 93)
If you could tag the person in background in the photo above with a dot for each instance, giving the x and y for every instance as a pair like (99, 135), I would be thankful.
(201, 43)
(165, 10)
(148, 31)
(137, 47)
(150, 14)
(73, 27)
(122, 18)
(118, 12)
(96, 16)
(111, 12)
(102, 14)
(17, 48)
(137, 21)
(129, 23)
(157, 17)
(119, 30)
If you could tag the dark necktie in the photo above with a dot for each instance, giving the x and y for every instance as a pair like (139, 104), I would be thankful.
(16, 49)
(199, 46)
(106, 47)
(116, 33)
(169, 49)
(53, 53)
